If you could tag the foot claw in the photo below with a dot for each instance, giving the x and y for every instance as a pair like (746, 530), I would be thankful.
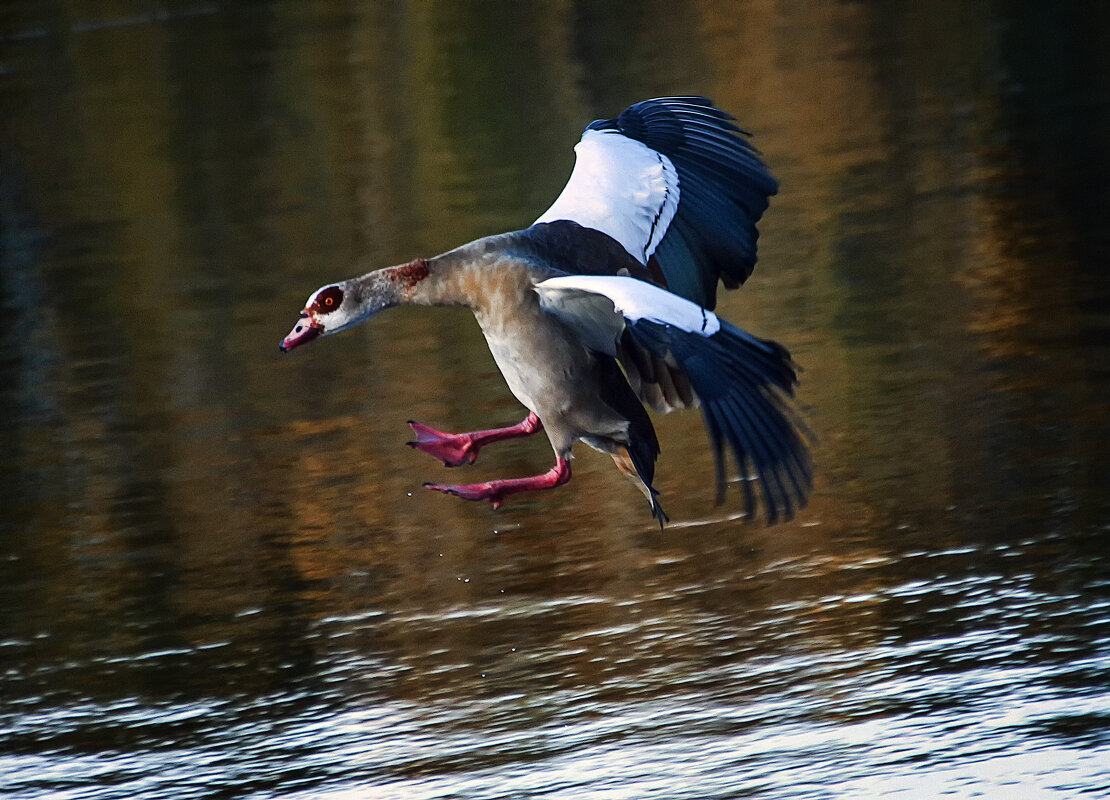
(473, 491)
(495, 492)
(453, 449)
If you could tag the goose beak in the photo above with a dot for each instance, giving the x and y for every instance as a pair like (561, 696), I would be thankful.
(303, 332)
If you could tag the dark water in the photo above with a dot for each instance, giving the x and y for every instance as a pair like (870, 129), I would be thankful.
(219, 576)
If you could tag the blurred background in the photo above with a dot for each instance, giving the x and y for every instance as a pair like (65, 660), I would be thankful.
(219, 574)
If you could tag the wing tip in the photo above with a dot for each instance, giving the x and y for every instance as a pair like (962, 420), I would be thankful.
(745, 386)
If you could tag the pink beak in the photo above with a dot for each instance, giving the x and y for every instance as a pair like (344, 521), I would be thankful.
(303, 332)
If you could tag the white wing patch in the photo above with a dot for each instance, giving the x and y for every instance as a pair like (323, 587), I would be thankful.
(621, 187)
(635, 299)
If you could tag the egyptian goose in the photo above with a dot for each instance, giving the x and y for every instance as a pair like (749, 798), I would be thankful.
(604, 305)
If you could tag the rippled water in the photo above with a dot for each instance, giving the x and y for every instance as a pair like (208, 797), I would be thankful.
(219, 576)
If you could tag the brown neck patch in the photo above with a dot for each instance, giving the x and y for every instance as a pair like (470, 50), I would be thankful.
(408, 275)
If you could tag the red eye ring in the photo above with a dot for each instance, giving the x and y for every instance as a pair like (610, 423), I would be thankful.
(328, 300)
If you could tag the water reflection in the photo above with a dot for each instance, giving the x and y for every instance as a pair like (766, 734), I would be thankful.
(219, 575)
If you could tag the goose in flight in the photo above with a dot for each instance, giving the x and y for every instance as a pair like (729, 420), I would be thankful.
(603, 307)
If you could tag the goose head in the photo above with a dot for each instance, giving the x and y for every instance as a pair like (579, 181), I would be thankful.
(329, 309)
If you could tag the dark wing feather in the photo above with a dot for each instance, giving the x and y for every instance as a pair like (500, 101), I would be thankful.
(658, 381)
(744, 384)
(724, 190)
(569, 247)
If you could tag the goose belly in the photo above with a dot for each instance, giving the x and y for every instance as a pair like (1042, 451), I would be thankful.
(542, 374)
(553, 375)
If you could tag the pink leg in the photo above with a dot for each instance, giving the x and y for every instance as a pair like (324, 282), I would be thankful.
(496, 491)
(454, 449)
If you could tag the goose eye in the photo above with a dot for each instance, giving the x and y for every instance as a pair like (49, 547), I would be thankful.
(329, 299)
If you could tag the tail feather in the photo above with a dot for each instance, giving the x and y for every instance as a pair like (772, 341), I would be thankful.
(640, 474)
(636, 457)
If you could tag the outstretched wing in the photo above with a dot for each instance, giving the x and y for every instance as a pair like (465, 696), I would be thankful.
(622, 187)
(674, 181)
(744, 383)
